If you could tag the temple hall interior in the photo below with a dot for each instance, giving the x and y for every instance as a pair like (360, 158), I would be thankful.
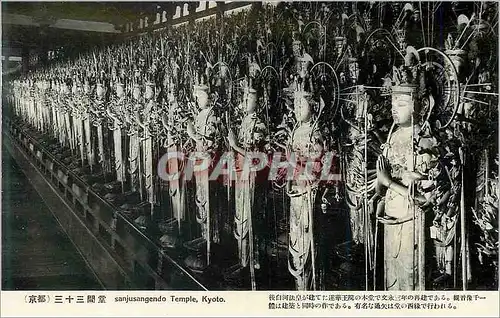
(263, 145)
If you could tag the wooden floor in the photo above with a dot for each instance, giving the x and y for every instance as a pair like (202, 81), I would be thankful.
(36, 253)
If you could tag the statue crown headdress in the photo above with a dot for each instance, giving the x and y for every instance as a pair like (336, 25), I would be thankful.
(406, 78)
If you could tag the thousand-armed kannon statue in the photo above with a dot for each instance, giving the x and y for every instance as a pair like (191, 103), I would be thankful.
(299, 146)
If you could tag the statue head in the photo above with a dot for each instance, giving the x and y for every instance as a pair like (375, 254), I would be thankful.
(120, 90)
(250, 100)
(302, 108)
(136, 92)
(100, 90)
(404, 104)
(201, 95)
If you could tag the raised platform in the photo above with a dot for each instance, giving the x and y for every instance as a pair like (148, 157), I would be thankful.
(121, 255)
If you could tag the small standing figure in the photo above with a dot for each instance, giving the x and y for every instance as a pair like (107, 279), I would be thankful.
(251, 138)
(357, 187)
(395, 172)
(302, 63)
(53, 106)
(99, 121)
(144, 120)
(176, 186)
(205, 133)
(115, 111)
(89, 147)
(134, 142)
(59, 112)
(65, 107)
(77, 112)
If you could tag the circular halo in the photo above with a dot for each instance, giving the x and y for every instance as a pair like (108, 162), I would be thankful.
(445, 107)
(334, 78)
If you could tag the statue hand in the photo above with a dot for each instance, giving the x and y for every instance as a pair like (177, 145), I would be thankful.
(383, 175)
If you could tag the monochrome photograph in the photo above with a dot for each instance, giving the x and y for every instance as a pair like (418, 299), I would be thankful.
(250, 146)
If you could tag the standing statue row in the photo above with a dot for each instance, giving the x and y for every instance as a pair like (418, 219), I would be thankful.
(247, 152)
